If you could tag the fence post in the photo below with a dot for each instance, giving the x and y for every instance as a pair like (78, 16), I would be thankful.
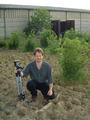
(80, 21)
(28, 16)
(4, 24)
(66, 15)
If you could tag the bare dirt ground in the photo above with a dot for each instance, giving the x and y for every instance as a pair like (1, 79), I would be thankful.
(72, 102)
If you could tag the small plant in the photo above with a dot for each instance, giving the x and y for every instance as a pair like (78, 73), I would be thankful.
(39, 21)
(13, 42)
(73, 60)
(53, 44)
(3, 44)
(72, 34)
(30, 43)
(44, 35)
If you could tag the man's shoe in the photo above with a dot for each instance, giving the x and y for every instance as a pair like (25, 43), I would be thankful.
(21, 97)
(45, 102)
(33, 99)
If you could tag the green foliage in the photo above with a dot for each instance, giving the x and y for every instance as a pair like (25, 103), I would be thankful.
(87, 38)
(13, 42)
(3, 44)
(72, 34)
(39, 21)
(73, 59)
(30, 43)
(53, 44)
(44, 35)
(49, 40)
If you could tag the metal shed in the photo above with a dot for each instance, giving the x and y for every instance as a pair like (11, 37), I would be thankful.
(15, 17)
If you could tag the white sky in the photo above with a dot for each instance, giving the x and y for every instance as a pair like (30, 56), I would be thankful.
(80, 4)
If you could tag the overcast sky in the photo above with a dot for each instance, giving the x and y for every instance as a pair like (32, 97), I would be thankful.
(80, 4)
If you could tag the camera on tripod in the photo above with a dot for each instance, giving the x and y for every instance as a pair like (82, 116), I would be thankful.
(17, 65)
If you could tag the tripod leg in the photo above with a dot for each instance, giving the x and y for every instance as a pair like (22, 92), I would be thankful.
(19, 83)
(20, 88)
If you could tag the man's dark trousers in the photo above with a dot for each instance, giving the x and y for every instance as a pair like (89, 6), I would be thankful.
(33, 86)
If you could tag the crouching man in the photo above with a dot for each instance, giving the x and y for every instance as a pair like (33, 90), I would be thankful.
(41, 76)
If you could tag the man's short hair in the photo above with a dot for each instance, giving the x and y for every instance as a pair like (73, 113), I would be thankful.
(38, 50)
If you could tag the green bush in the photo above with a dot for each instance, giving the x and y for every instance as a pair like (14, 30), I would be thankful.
(13, 42)
(53, 44)
(72, 34)
(39, 21)
(44, 35)
(73, 59)
(49, 41)
(87, 38)
(30, 43)
(3, 44)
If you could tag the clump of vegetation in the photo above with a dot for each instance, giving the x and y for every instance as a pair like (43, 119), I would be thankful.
(44, 35)
(3, 44)
(49, 41)
(13, 42)
(72, 34)
(39, 21)
(53, 44)
(73, 59)
(30, 43)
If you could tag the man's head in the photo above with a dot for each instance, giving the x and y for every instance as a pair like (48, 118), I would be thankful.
(38, 53)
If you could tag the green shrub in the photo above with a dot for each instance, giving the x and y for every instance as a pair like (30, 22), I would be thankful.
(13, 42)
(39, 21)
(44, 35)
(87, 38)
(53, 44)
(72, 34)
(30, 43)
(3, 44)
(73, 60)
(49, 41)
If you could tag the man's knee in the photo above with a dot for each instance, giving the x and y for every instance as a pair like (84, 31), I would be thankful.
(30, 85)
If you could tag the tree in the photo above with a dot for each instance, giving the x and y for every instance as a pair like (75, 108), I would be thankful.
(74, 59)
(39, 21)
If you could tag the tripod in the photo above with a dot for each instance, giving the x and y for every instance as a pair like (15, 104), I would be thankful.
(21, 94)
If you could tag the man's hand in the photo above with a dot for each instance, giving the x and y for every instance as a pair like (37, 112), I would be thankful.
(15, 71)
(20, 72)
(50, 92)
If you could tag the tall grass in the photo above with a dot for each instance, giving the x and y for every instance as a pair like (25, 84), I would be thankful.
(13, 42)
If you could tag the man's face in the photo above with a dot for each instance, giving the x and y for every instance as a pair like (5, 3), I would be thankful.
(38, 57)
